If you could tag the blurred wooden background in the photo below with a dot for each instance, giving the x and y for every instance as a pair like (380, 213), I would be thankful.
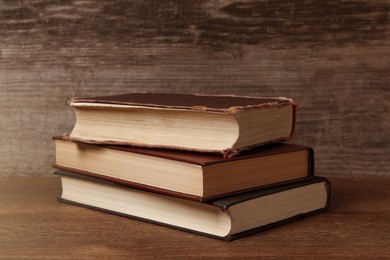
(333, 57)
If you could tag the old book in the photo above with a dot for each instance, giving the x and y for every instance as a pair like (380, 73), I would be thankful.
(218, 124)
(227, 218)
(195, 176)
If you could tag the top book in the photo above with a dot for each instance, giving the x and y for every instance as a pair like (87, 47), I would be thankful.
(217, 124)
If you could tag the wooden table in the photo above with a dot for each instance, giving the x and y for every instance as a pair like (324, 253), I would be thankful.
(33, 225)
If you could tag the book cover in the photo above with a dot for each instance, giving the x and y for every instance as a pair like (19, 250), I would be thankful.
(216, 103)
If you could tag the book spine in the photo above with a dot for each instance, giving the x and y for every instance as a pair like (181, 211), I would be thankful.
(294, 119)
(310, 166)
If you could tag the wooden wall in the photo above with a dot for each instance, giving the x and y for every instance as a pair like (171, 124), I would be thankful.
(333, 57)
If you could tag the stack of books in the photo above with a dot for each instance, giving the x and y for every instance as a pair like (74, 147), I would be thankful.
(213, 165)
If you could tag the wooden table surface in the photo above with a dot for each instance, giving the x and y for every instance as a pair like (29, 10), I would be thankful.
(33, 225)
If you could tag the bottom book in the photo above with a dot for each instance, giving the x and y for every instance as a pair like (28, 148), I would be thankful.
(226, 218)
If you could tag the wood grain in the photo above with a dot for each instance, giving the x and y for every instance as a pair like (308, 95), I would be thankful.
(33, 225)
(331, 56)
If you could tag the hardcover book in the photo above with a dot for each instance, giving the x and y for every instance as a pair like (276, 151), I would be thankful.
(216, 124)
(193, 176)
(227, 218)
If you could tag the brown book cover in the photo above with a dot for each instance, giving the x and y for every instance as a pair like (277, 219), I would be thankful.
(216, 103)
(200, 159)
(226, 104)
(223, 204)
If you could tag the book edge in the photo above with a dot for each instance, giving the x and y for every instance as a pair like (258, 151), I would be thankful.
(137, 218)
(76, 173)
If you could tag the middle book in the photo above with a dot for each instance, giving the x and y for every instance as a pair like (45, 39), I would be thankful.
(189, 175)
